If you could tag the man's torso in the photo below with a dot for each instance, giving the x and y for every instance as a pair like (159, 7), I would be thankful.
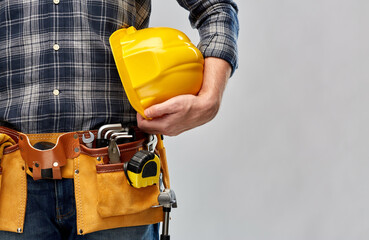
(57, 72)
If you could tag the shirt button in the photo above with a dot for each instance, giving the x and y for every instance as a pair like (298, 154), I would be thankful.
(56, 1)
(56, 92)
(56, 47)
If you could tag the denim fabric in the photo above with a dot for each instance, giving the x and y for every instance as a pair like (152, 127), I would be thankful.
(51, 215)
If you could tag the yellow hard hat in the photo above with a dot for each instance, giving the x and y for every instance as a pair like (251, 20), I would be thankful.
(156, 64)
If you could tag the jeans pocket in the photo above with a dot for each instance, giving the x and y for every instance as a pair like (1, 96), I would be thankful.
(116, 197)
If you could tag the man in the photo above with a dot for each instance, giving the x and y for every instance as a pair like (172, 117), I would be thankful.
(57, 74)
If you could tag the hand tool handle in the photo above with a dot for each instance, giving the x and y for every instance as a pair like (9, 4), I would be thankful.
(167, 237)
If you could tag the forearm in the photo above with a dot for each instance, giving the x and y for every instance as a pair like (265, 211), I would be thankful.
(216, 74)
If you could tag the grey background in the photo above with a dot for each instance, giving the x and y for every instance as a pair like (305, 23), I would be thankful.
(287, 155)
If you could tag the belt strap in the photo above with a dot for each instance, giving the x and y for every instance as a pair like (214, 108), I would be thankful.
(49, 163)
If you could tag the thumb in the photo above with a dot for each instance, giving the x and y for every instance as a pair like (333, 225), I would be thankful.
(159, 110)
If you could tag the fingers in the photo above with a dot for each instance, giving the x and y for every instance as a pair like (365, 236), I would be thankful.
(174, 116)
(159, 110)
(163, 125)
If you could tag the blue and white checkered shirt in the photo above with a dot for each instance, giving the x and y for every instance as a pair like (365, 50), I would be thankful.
(57, 73)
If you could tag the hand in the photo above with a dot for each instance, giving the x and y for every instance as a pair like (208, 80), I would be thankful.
(177, 115)
(184, 112)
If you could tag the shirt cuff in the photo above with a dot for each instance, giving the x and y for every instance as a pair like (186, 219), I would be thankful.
(221, 46)
(218, 37)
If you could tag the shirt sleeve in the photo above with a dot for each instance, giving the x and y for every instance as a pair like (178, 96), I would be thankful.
(218, 27)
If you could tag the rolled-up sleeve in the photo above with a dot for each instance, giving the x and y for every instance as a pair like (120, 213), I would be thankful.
(218, 27)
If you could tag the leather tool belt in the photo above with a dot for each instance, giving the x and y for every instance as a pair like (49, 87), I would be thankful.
(104, 198)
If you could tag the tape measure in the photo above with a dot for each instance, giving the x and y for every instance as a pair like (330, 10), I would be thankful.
(143, 169)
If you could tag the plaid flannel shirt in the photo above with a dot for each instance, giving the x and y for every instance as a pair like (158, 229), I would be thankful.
(57, 73)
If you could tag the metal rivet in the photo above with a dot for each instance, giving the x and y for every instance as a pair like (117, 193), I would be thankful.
(76, 171)
(80, 231)
(23, 168)
(98, 158)
(19, 230)
(76, 149)
(75, 136)
(37, 165)
(55, 164)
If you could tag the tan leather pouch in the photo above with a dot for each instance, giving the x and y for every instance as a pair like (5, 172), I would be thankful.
(115, 195)
(13, 193)
(5, 141)
(105, 200)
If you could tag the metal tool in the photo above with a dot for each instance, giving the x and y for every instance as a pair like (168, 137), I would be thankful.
(88, 141)
(151, 145)
(111, 131)
(123, 138)
(101, 142)
(113, 151)
(116, 134)
(167, 199)
(107, 126)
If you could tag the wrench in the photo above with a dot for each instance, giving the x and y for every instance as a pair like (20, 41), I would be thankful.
(88, 141)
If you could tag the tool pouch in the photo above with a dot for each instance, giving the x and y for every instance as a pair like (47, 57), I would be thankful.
(116, 197)
(13, 187)
(104, 198)
(5, 141)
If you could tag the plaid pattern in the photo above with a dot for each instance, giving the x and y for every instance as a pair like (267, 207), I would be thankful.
(218, 26)
(77, 87)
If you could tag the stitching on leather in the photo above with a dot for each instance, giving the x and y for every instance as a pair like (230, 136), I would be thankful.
(9, 133)
(80, 212)
(110, 170)
(94, 154)
(130, 149)
(24, 199)
(43, 135)
(43, 138)
(22, 203)
(106, 154)
(10, 151)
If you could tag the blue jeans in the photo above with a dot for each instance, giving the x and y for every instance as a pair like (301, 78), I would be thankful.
(51, 215)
